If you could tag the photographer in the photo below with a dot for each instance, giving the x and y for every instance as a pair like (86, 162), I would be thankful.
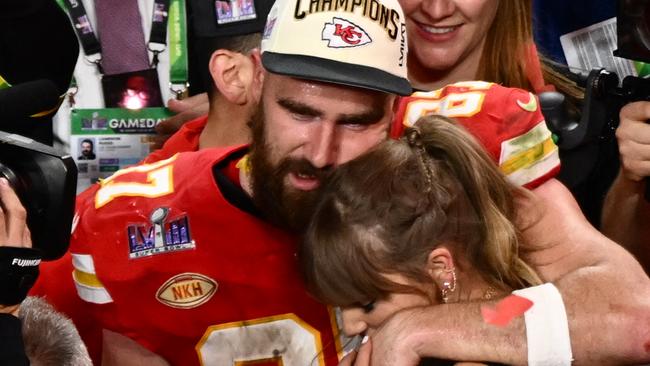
(15, 244)
(626, 214)
(31, 331)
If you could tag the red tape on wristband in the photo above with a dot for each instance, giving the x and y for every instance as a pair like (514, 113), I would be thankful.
(505, 310)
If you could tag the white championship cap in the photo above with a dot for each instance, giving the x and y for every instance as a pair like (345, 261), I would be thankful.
(360, 43)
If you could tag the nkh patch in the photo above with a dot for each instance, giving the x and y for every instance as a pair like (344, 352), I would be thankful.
(165, 233)
(341, 33)
(187, 290)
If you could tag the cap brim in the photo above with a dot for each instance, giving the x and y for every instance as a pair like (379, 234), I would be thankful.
(316, 68)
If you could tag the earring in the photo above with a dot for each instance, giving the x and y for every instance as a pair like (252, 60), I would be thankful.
(447, 287)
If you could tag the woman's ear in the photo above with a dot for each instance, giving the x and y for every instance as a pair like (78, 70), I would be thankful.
(232, 74)
(440, 267)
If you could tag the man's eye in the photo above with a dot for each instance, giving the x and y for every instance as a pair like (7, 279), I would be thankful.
(302, 117)
(368, 307)
(355, 126)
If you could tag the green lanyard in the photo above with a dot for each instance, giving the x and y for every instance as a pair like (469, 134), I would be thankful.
(177, 42)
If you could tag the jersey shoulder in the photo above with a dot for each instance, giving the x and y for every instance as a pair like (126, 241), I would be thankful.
(507, 121)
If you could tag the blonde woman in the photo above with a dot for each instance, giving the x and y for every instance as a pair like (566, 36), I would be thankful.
(421, 221)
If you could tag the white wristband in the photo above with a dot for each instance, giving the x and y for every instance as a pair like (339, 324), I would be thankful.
(547, 328)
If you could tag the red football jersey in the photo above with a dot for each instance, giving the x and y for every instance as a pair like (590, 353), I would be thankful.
(160, 256)
(507, 122)
(185, 139)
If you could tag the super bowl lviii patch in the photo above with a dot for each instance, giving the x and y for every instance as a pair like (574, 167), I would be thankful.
(163, 234)
(186, 290)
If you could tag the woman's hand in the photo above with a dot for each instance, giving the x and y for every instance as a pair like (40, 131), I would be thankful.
(360, 357)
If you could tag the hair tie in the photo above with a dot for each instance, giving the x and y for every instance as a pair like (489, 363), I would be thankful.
(413, 137)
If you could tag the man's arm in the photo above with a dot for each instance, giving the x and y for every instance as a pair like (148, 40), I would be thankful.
(605, 292)
(626, 213)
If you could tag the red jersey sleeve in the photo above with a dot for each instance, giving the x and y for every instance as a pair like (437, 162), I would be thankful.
(56, 283)
(506, 121)
(185, 139)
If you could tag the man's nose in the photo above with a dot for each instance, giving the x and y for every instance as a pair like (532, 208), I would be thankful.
(438, 9)
(353, 322)
(323, 144)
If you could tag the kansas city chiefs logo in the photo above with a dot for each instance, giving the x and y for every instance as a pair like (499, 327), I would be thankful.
(342, 33)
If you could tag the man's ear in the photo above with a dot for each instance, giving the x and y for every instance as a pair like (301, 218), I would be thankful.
(440, 264)
(258, 75)
(232, 74)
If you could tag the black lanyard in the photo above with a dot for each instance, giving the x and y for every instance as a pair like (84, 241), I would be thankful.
(90, 43)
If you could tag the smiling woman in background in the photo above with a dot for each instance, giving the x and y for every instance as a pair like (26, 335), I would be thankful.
(460, 40)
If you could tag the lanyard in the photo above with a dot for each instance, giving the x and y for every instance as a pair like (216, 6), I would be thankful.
(177, 19)
(177, 44)
(90, 43)
(82, 27)
(158, 34)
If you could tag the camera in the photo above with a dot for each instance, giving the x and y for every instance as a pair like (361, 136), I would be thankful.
(45, 182)
(633, 30)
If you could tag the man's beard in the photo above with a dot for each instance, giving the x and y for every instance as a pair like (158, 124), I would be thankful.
(282, 205)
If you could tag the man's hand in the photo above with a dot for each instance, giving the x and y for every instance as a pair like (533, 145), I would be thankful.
(633, 136)
(392, 343)
(13, 219)
(186, 110)
(626, 212)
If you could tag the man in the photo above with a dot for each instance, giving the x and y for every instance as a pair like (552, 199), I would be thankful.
(300, 137)
(176, 256)
(626, 212)
(87, 150)
(39, 322)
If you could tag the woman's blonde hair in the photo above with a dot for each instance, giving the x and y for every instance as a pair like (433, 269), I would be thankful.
(504, 59)
(507, 58)
(387, 210)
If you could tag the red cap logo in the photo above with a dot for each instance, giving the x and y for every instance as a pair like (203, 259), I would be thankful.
(343, 33)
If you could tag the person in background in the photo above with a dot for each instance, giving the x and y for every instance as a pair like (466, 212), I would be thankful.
(50, 337)
(453, 41)
(227, 58)
(15, 245)
(31, 332)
